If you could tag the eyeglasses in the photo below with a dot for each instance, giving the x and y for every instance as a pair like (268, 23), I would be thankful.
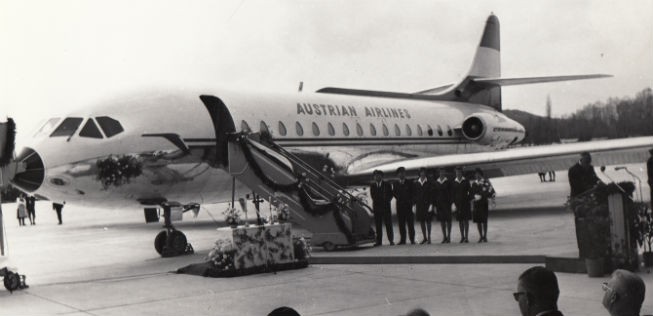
(605, 286)
(517, 294)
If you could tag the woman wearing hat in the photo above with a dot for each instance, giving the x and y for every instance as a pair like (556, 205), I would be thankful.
(460, 189)
(481, 190)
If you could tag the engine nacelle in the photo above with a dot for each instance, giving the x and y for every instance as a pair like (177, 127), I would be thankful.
(492, 130)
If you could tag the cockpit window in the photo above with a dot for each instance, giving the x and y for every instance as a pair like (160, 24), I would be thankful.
(47, 127)
(90, 130)
(67, 127)
(109, 126)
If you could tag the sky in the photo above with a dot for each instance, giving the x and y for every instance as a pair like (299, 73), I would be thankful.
(59, 55)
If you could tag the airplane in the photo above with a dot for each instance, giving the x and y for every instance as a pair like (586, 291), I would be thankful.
(174, 147)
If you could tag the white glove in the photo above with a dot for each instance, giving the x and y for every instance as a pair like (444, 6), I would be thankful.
(477, 197)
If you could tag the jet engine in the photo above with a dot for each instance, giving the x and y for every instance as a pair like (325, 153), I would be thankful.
(492, 130)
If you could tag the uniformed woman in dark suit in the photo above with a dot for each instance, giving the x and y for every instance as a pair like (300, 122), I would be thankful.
(422, 195)
(442, 194)
(481, 190)
(461, 199)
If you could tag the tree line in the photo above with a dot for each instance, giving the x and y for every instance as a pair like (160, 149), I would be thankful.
(614, 118)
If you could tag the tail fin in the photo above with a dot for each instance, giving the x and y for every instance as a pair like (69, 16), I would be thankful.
(483, 82)
(486, 64)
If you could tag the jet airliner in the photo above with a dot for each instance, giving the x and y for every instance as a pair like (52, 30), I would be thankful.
(185, 147)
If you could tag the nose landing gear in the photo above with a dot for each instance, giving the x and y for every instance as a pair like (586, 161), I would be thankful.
(171, 242)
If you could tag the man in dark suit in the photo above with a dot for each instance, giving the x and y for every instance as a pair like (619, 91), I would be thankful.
(402, 191)
(381, 193)
(649, 171)
(30, 202)
(537, 292)
(58, 207)
(582, 176)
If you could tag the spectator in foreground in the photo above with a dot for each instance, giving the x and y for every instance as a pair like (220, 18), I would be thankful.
(537, 292)
(624, 293)
(284, 311)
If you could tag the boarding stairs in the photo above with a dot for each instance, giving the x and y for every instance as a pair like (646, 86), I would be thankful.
(335, 217)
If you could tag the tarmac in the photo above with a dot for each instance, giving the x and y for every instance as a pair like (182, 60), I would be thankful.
(102, 262)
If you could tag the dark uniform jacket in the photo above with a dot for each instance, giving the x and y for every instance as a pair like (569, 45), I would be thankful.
(403, 193)
(422, 194)
(442, 194)
(460, 191)
(381, 196)
(581, 179)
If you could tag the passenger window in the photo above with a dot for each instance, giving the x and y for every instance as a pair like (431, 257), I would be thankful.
(372, 129)
(299, 129)
(282, 129)
(244, 127)
(359, 129)
(316, 129)
(345, 129)
(263, 128)
(90, 130)
(332, 131)
(429, 131)
(397, 130)
(47, 127)
(109, 126)
(419, 130)
(439, 130)
(67, 127)
(409, 131)
(385, 130)
(449, 131)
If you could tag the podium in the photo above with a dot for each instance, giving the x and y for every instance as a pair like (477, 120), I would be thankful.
(605, 218)
(260, 246)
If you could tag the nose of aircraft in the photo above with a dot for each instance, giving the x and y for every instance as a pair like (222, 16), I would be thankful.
(30, 170)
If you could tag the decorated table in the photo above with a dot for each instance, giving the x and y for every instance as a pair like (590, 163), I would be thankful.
(246, 250)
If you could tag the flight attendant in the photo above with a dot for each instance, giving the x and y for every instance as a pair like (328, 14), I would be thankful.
(481, 190)
(460, 190)
(381, 193)
(442, 189)
(402, 191)
(422, 196)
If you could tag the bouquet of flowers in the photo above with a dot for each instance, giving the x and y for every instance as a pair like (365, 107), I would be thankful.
(302, 248)
(231, 216)
(222, 255)
(283, 212)
(118, 170)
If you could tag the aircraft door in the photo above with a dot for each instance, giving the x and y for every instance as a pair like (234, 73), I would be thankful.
(223, 125)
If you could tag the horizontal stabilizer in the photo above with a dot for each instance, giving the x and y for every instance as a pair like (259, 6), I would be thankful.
(516, 81)
(436, 90)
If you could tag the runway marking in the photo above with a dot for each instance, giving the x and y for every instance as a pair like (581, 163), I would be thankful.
(60, 303)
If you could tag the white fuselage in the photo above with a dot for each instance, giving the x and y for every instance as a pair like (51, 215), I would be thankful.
(344, 132)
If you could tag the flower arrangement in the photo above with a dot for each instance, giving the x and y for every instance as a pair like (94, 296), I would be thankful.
(118, 170)
(222, 255)
(302, 248)
(283, 212)
(231, 216)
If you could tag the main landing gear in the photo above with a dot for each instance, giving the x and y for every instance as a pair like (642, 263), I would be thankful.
(171, 242)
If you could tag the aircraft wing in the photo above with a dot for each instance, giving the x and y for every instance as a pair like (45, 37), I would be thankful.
(525, 160)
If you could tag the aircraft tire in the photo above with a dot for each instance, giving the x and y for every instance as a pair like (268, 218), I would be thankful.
(177, 242)
(12, 281)
(160, 241)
